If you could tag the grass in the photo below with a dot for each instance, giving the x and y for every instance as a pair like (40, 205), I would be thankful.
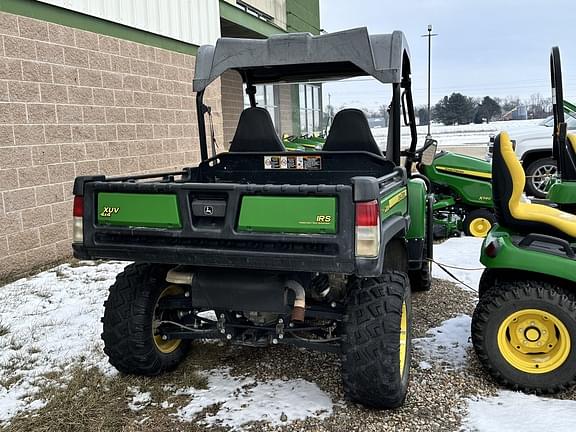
(93, 402)
(4, 329)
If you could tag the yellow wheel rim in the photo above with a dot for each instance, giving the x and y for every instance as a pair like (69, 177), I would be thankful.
(479, 227)
(403, 338)
(170, 345)
(534, 341)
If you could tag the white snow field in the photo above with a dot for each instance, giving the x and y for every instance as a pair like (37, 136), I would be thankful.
(50, 322)
(461, 257)
(460, 135)
(245, 400)
(500, 413)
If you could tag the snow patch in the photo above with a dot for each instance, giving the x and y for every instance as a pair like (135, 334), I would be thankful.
(501, 413)
(52, 321)
(424, 365)
(447, 344)
(461, 252)
(243, 399)
(140, 400)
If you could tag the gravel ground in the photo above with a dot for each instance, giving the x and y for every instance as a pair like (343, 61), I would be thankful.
(436, 396)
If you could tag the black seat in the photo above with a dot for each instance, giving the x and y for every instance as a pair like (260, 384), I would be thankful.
(255, 133)
(350, 131)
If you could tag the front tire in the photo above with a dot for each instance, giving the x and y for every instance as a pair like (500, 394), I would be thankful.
(538, 174)
(376, 343)
(524, 333)
(129, 320)
(478, 223)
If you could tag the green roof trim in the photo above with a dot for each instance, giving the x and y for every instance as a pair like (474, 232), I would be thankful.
(65, 17)
(303, 16)
(238, 16)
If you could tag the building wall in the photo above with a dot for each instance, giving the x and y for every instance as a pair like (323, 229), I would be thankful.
(274, 8)
(232, 94)
(74, 103)
(303, 16)
(192, 21)
(286, 106)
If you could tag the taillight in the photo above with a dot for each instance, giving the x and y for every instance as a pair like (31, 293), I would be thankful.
(78, 206)
(367, 229)
(78, 225)
(492, 249)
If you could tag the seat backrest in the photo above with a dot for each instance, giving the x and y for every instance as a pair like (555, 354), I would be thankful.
(255, 133)
(508, 179)
(569, 173)
(350, 131)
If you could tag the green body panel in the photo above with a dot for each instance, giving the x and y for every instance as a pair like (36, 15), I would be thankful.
(443, 201)
(138, 210)
(563, 193)
(69, 18)
(469, 178)
(513, 257)
(309, 215)
(417, 209)
(296, 146)
(395, 203)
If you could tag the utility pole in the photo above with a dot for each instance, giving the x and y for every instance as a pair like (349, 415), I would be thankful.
(430, 35)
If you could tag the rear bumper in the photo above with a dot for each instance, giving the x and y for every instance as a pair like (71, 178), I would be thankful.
(288, 262)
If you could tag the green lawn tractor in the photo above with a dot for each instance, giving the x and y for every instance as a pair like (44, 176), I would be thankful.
(462, 192)
(524, 326)
(304, 143)
(317, 250)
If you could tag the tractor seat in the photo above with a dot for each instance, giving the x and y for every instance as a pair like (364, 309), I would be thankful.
(350, 131)
(508, 180)
(255, 133)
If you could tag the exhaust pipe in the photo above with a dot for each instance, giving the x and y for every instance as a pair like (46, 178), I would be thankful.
(299, 309)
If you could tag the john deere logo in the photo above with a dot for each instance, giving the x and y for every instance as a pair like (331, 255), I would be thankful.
(109, 211)
(208, 210)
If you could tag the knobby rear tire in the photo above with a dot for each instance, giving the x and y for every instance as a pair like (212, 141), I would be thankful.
(127, 322)
(371, 341)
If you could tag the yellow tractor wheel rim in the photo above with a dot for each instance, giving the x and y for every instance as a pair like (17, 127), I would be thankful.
(534, 341)
(403, 338)
(170, 345)
(479, 227)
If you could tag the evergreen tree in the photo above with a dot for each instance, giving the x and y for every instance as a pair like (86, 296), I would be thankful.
(488, 109)
(454, 109)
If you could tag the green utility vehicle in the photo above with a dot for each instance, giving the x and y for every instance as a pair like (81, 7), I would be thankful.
(524, 326)
(317, 250)
(462, 194)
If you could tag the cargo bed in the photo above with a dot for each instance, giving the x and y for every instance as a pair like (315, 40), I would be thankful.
(237, 211)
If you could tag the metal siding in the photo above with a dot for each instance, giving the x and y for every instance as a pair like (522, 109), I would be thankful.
(193, 21)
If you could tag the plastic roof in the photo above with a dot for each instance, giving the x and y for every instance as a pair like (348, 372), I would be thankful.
(302, 57)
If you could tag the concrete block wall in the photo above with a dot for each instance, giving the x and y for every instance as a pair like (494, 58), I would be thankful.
(233, 94)
(74, 103)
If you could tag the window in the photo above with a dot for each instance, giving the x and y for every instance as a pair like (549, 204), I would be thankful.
(310, 109)
(265, 98)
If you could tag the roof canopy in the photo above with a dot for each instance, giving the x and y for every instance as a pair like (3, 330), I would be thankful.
(303, 57)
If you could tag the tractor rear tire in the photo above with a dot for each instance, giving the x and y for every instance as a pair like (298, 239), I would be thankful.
(376, 340)
(524, 333)
(478, 222)
(128, 322)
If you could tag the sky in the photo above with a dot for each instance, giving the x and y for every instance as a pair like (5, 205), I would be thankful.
(483, 48)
